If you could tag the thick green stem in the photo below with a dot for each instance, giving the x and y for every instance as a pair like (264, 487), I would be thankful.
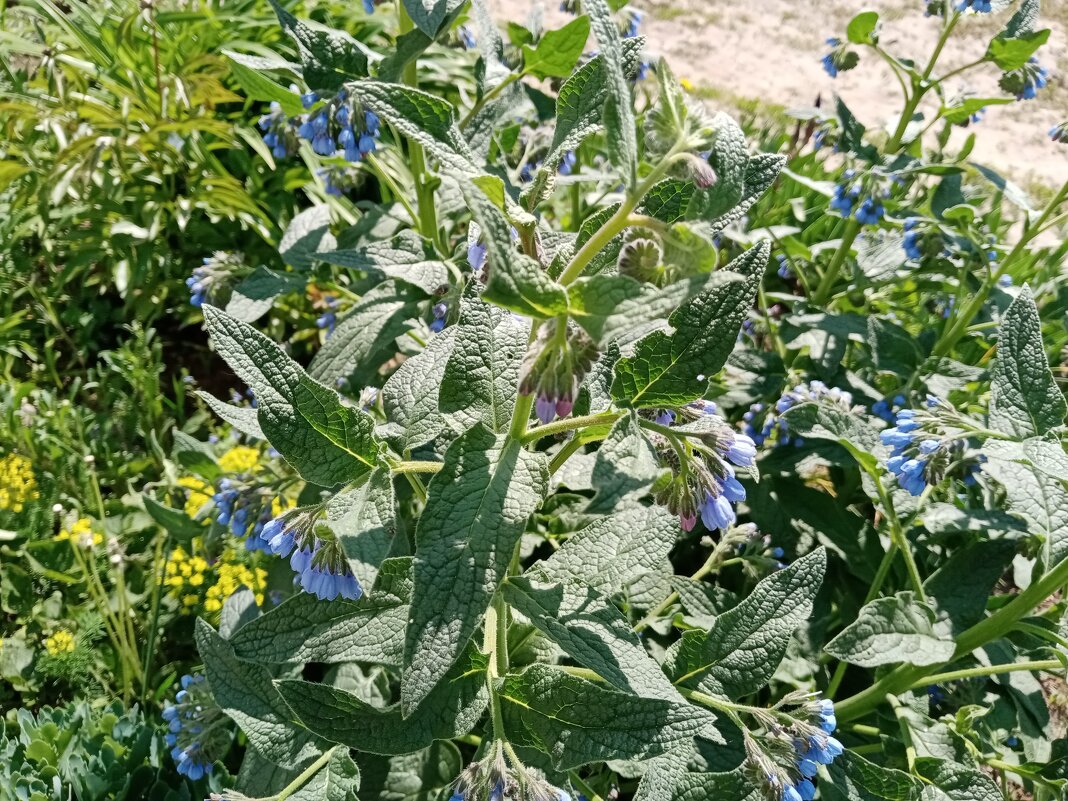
(416, 467)
(570, 424)
(987, 630)
(826, 285)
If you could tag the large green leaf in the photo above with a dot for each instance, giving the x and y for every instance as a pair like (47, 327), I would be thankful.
(365, 336)
(618, 114)
(673, 369)
(404, 258)
(897, 629)
(410, 396)
(476, 510)
(326, 441)
(452, 709)
(576, 721)
(329, 57)
(625, 466)
(430, 16)
(410, 777)
(590, 630)
(247, 694)
(480, 378)
(743, 649)
(557, 51)
(306, 629)
(1024, 398)
(362, 519)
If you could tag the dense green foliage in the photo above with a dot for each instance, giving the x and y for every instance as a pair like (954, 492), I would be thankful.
(397, 407)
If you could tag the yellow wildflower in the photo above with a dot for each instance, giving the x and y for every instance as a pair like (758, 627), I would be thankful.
(199, 493)
(230, 575)
(280, 504)
(686, 84)
(239, 459)
(62, 642)
(80, 532)
(17, 483)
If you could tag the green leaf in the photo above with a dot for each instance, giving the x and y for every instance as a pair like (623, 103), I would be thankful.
(1037, 498)
(892, 630)
(673, 369)
(760, 174)
(579, 107)
(422, 117)
(956, 782)
(247, 694)
(410, 395)
(576, 722)
(733, 785)
(959, 589)
(406, 48)
(1011, 53)
(410, 777)
(516, 281)
(1024, 398)
(452, 709)
(243, 418)
(557, 52)
(403, 259)
(258, 86)
(618, 114)
(613, 552)
(430, 16)
(194, 455)
(625, 466)
(365, 336)
(304, 628)
(743, 649)
(174, 521)
(330, 58)
(476, 510)
(1023, 19)
(479, 379)
(327, 442)
(965, 107)
(851, 431)
(862, 27)
(307, 234)
(362, 519)
(856, 779)
(337, 780)
(590, 630)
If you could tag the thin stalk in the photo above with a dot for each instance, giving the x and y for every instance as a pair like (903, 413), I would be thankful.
(398, 193)
(158, 570)
(989, 670)
(416, 467)
(564, 454)
(490, 95)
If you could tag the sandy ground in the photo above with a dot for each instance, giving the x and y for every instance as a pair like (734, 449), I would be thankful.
(769, 51)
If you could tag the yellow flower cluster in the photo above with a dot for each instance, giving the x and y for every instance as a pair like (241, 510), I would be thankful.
(190, 580)
(62, 642)
(80, 532)
(17, 484)
(198, 493)
(239, 459)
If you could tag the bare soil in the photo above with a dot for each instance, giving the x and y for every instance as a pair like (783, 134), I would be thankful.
(769, 51)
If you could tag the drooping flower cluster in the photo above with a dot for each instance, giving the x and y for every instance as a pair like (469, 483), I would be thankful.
(279, 131)
(18, 486)
(440, 312)
(493, 779)
(926, 447)
(840, 59)
(887, 409)
(762, 423)
(978, 6)
(555, 366)
(315, 555)
(703, 481)
(245, 508)
(1025, 81)
(217, 272)
(328, 319)
(1059, 133)
(786, 759)
(198, 732)
(338, 123)
(868, 211)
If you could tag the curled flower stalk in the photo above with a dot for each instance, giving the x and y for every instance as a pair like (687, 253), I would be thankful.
(198, 732)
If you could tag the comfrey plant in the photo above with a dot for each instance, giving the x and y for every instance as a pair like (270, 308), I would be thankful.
(492, 594)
